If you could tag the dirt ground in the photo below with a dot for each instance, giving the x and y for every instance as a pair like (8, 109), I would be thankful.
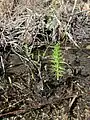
(28, 88)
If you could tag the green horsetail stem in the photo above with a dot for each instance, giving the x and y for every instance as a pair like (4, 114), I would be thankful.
(57, 61)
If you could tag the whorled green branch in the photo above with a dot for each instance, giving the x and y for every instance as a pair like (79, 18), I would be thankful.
(57, 61)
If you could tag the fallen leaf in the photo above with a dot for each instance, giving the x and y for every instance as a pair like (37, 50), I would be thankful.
(88, 47)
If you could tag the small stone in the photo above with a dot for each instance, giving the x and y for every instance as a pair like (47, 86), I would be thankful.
(88, 47)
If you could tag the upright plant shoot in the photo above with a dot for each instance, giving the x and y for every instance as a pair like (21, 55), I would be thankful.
(57, 61)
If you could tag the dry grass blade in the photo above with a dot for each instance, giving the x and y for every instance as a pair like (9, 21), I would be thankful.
(2, 64)
(71, 39)
(75, 2)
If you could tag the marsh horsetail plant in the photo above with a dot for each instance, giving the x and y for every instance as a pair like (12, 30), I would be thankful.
(57, 61)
